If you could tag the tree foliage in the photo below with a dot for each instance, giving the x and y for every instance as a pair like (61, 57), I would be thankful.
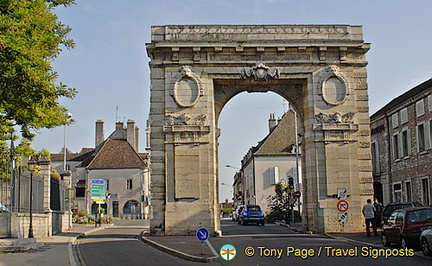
(31, 36)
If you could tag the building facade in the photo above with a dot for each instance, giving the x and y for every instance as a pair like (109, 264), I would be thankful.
(272, 161)
(401, 135)
(117, 161)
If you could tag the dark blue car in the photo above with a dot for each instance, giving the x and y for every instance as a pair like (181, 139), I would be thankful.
(251, 214)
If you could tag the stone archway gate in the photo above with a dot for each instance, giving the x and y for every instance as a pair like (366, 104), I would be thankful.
(319, 69)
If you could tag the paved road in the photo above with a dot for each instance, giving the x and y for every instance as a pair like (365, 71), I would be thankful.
(119, 245)
(271, 245)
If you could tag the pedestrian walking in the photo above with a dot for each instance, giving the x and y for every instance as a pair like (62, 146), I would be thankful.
(378, 212)
(369, 214)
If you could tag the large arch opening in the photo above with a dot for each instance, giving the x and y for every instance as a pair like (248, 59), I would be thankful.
(250, 162)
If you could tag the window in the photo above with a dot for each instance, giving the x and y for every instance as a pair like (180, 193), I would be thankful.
(421, 140)
(80, 192)
(397, 192)
(129, 184)
(429, 99)
(430, 133)
(406, 143)
(274, 175)
(408, 191)
(396, 153)
(425, 191)
(395, 120)
(115, 208)
(404, 115)
(375, 159)
(420, 107)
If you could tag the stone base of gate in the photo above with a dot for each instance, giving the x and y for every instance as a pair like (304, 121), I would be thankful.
(185, 218)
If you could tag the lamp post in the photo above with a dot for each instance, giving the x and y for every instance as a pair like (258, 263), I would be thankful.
(31, 165)
(69, 115)
(297, 153)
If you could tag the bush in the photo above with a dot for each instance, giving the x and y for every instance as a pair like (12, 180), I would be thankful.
(226, 212)
(82, 213)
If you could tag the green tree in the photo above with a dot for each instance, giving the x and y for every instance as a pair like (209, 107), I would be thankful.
(31, 36)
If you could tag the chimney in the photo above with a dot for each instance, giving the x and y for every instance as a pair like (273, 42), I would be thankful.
(136, 138)
(272, 122)
(100, 135)
(130, 133)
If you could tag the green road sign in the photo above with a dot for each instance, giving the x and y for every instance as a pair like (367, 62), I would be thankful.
(94, 186)
(98, 191)
(98, 195)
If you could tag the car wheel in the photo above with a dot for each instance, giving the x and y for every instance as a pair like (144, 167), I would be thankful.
(263, 223)
(403, 243)
(243, 222)
(425, 247)
(385, 241)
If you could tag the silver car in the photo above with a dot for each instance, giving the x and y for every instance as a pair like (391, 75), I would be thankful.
(426, 241)
(4, 208)
(236, 212)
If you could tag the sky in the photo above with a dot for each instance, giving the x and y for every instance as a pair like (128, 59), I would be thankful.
(109, 64)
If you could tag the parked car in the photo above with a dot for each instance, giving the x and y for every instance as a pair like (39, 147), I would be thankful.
(404, 226)
(426, 241)
(394, 206)
(251, 214)
(236, 213)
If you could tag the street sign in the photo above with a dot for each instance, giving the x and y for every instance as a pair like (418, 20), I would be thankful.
(202, 234)
(342, 193)
(93, 186)
(98, 181)
(342, 206)
(343, 217)
(297, 194)
(98, 189)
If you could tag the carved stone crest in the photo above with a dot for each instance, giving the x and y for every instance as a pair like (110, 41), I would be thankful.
(187, 87)
(333, 86)
(184, 119)
(335, 118)
(260, 72)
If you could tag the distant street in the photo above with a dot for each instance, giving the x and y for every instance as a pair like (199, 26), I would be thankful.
(267, 245)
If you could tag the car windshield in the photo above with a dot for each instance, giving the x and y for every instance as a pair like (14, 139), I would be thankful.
(416, 216)
(254, 208)
(391, 208)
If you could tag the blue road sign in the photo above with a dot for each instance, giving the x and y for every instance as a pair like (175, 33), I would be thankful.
(96, 181)
(202, 234)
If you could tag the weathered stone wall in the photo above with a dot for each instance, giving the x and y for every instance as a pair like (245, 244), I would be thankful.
(196, 70)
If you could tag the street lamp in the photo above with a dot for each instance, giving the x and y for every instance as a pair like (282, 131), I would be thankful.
(69, 115)
(297, 153)
(31, 166)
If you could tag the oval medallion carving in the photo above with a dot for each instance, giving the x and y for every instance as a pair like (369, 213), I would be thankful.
(334, 91)
(187, 87)
(186, 92)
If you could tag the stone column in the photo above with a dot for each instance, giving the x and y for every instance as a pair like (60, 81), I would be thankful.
(45, 171)
(67, 181)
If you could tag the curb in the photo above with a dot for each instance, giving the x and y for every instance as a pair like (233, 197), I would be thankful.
(72, 241)
(19, 245)
(178, 253)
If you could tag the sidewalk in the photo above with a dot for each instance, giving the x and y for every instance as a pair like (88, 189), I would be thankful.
(186, 247)
(54, 250)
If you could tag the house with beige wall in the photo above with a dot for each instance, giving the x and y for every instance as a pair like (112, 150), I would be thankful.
(117, 161)
(273, 160)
